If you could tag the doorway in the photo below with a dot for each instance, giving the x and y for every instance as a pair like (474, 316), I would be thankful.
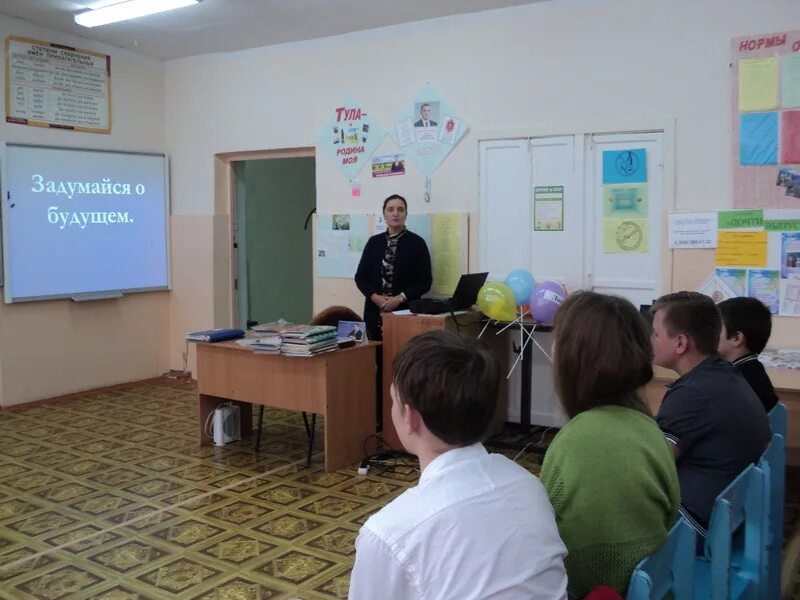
(272, 239)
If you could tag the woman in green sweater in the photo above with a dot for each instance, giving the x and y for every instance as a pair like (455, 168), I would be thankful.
(609, 472)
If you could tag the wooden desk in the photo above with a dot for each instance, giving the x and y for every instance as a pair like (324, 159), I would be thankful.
(397, 330)
(786, 383)
(339, 385)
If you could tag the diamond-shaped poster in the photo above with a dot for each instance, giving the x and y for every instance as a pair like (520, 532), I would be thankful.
(350, 136)
(429, 131)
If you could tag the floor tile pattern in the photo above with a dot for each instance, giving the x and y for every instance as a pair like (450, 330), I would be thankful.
(108, 496)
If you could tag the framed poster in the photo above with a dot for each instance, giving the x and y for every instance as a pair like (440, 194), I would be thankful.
(50, 85)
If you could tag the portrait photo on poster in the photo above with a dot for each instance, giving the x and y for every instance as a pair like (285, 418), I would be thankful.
(427, 112)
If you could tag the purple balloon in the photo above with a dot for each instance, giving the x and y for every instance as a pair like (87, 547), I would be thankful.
(545, 300)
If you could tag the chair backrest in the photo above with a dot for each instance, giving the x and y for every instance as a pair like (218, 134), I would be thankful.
(668, 569)
(333, 314)
(739, 511)
(777, 419)
(773, 464)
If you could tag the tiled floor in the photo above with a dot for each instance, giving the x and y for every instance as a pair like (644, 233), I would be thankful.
(109, 496)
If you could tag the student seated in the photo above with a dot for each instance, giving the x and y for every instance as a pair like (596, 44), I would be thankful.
(746, 327)
(609, 472)
(710, 415)
(477, 525)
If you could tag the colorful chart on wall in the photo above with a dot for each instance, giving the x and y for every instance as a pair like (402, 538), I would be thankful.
(429, 131)
(350, 136)
(766, 120)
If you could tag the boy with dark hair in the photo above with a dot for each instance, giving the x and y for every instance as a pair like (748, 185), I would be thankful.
(746, 327)
(461, 531)
(712, 418)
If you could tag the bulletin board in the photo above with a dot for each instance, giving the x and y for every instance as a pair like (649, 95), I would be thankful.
(766, 120)
(340, 240)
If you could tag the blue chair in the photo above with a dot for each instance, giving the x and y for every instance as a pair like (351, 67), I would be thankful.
(777, 419)
(668, 569)
(735, 548)
(773, 464)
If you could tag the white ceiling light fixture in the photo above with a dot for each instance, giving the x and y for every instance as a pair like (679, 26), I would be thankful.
(130, 9)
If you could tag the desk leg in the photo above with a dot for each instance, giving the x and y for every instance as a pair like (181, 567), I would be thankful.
(350, 409)
(206, 405)
(525, 393)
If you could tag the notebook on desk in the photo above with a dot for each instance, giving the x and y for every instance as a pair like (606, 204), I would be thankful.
(464, 297)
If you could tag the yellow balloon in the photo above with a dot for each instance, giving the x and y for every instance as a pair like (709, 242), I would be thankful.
(496, 301)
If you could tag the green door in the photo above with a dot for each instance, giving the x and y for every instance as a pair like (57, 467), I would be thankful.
(273, 199)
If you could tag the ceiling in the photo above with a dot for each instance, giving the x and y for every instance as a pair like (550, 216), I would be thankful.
(228, 25)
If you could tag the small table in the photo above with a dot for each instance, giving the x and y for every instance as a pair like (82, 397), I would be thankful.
(339, 385)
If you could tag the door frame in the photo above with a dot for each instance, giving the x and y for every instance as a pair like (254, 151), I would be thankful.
(226, 309)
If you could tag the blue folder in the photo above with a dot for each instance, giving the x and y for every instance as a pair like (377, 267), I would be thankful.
(215, 335)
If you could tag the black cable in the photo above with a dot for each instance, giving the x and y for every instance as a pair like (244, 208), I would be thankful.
(380, 458)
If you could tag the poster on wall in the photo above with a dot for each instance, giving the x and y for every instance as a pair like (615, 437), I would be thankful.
(757, 255)
(388, 165)
(430, 131)
(766, 119)
(340, 241)
(49, 85)
(349, 137)
(626, 224)
(548, 208)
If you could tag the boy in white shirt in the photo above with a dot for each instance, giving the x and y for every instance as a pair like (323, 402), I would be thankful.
(477, 525)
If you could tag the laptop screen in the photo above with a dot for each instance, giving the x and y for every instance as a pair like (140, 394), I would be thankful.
(469, 285)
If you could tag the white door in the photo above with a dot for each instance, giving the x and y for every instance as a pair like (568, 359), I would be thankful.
(505, 210)
(558, 255)
(634, 272)
(510, 171)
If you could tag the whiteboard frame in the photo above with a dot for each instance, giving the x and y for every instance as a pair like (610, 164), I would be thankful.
(4, 271)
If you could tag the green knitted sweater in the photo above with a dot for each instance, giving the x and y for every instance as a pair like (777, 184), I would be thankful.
(612, 481)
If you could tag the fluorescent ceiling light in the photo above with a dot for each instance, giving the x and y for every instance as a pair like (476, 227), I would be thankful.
(131, 9)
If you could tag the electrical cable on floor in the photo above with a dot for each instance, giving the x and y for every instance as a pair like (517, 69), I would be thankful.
(538, 443)
(386, 460)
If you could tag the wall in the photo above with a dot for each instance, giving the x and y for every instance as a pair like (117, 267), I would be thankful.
(552, 66)
(57, 347)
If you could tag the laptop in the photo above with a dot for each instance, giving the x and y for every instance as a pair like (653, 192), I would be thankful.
(463, 298)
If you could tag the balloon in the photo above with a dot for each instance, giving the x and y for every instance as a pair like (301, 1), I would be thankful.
(545, 300)
(497, 301)
(522, 284)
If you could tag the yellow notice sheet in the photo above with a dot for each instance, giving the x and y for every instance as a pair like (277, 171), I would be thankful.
(758, 84)
(446, 251)
(626, 235)
(742, 249)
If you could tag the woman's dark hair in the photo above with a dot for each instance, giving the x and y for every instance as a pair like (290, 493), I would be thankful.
(394, 197)
(602, 353)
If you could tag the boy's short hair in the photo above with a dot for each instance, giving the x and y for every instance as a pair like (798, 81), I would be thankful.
(751, 317)
(693, 314)
(452, 381)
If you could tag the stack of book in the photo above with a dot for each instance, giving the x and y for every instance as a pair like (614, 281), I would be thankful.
(308, 340)
(268, 337)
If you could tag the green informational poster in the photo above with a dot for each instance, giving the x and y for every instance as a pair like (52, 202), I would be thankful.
(741, 219)
(548, 208)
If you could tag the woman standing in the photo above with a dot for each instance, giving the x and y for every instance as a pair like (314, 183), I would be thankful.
(395, 267)
(609, 472)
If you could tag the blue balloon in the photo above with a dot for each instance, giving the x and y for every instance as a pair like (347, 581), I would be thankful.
(522, 285)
